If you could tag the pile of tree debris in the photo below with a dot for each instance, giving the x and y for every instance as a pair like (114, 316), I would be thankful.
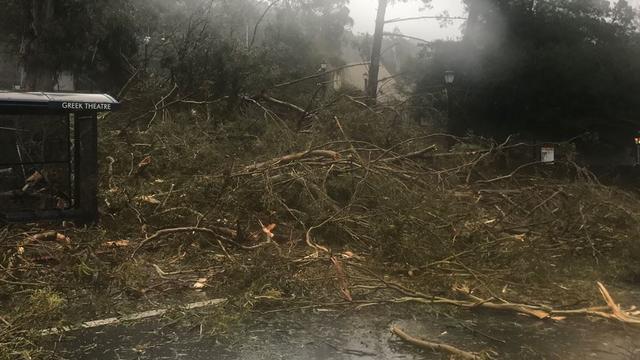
(189, 205)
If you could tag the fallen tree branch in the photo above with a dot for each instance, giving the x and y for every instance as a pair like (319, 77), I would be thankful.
(285, 104)
(219, 233)
(617, 313)
(434, 346)
(508, 176)
(411, 154)
(292, 157)
(132, 317)
(319, 74)
(537, 311)
(406, 37)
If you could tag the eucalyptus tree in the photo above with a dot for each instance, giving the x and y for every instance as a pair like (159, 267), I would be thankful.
(84, 37)
(376, 48)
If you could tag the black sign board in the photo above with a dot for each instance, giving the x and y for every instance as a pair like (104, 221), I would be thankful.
(59, 178)
(56, 102)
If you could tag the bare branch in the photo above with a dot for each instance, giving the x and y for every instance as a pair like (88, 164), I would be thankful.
(425, 17)
(255, 28)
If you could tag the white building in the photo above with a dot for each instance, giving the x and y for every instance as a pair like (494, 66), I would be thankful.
(357, 77)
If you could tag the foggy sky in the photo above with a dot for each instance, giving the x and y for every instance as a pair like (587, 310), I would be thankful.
(363, 13)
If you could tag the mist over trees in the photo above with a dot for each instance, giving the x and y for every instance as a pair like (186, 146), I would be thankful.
(548, 70)
(89, 38)
(218, 45)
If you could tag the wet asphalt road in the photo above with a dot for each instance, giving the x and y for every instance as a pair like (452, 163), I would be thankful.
(354, 334)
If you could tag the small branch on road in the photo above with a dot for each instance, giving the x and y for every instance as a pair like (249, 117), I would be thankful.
(433, 346)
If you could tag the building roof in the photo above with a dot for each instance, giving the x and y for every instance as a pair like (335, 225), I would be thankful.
(56, 102)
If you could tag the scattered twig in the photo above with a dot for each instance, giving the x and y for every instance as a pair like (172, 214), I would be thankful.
(132, 317)
(433, 346)
(219, 233)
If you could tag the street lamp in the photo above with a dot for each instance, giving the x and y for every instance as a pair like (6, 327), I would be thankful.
(323, 66)
(449, 78)
(146, 40)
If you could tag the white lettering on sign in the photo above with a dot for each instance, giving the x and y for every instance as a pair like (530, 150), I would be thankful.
(72, 106)
(86, 106)
(103, 107)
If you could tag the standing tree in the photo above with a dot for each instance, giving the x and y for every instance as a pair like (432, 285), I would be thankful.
(374, 68)
(83, 37)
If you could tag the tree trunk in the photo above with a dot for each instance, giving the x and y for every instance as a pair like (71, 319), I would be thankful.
(472, 20)
(474, 7)
(39, 73)
(374, 68)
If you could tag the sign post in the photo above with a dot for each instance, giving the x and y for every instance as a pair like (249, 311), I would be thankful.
(547, 154)
(637, 141)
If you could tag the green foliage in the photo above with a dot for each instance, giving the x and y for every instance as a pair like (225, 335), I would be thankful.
(45, 303)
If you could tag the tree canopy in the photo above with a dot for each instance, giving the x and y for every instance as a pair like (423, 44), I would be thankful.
(548, 69)
(217, 44)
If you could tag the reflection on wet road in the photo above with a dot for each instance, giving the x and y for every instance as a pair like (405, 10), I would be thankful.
(364, 334)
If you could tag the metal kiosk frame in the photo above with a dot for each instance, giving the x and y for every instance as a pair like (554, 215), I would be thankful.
(80, 111)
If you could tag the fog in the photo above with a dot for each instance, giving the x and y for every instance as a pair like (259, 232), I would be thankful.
(363, 13)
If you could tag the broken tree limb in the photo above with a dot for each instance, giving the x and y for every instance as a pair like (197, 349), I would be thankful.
(285, 104)
(390, 34)
(288, 83)
(333, 155)
(219, 233)
(537, 311)
(312, 244)
(434, 346)
(411, 154)
(343, 280)
(617, 313)
(437, 17)
(509, 176)
(132, 317)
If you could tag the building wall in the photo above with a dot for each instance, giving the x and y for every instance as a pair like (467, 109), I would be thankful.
(66, 82)
(11, 77)
(355, 77)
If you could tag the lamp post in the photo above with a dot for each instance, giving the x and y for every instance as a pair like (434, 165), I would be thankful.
(323, 66)
(449, 78)
(145, 41)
